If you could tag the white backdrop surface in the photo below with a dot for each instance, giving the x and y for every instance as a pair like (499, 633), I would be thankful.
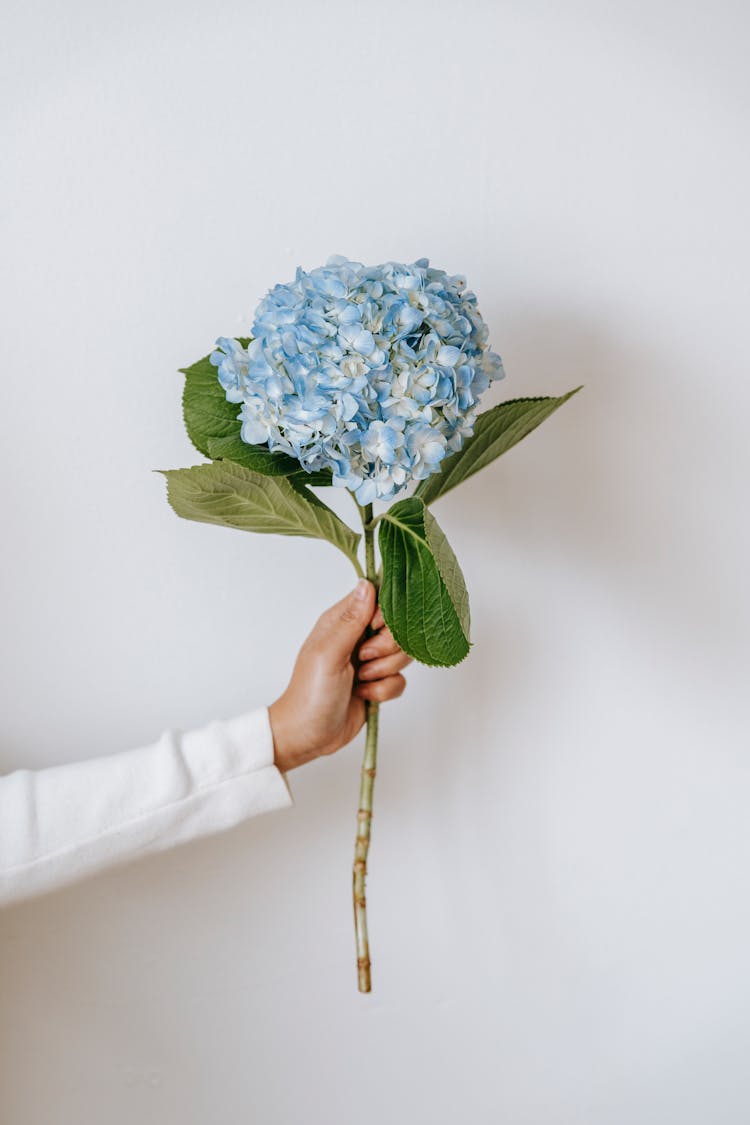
(558, 887)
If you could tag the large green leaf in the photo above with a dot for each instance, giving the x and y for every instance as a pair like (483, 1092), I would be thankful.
(423, 595)
(233, 496)
(496, 431)
(213, 424)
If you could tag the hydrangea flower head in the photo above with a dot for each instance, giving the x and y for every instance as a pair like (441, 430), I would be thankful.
(372, 371)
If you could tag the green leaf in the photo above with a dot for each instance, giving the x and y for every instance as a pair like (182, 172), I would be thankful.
(232, 496)
(213, 424)
(423, 595)
(301, 482)
(259, 458)
(321, 478)
(496, 431)
(205, 409)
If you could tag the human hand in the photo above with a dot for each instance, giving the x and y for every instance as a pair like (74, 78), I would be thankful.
(336, 671)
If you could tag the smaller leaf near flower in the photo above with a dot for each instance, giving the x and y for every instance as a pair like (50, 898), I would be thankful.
(232, 496)
(423, 595)
(300, 483)
(260, 459)
(321, 478)
(496, 431)
(213, 425)
(206, 411)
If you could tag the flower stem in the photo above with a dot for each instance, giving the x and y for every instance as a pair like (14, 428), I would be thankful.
(367, 782)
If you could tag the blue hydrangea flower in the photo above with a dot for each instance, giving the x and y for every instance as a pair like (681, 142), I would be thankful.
(372, 371)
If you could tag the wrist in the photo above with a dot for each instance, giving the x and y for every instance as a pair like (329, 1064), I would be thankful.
(282, 754)
(287, 752)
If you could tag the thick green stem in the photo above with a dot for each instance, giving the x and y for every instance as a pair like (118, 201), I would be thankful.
(367, 782)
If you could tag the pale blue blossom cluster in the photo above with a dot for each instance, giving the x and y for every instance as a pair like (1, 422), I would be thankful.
(372, 371)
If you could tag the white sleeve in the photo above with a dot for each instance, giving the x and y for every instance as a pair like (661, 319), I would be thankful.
(60, 824)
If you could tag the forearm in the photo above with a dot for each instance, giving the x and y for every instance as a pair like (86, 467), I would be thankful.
(60, 824)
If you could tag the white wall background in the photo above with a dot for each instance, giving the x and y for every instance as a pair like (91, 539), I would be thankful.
(559, 876)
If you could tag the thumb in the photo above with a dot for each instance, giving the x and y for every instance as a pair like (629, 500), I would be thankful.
(339, 629)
